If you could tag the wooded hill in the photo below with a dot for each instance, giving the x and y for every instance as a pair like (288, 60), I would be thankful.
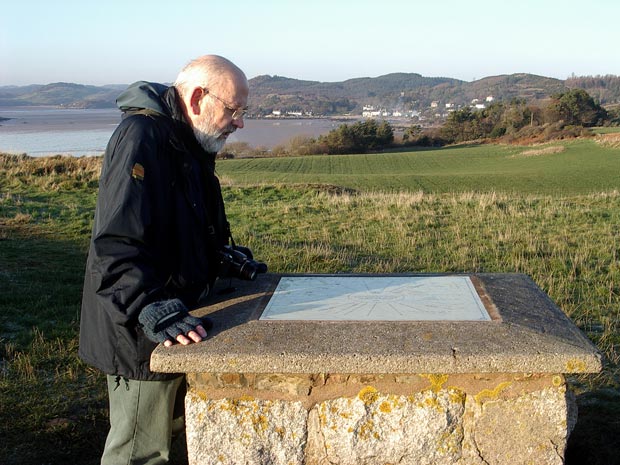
(398, 90)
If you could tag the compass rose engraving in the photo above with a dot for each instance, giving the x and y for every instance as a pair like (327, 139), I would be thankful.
(375, 298)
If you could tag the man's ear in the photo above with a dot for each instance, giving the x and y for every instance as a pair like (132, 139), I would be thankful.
(194, 100)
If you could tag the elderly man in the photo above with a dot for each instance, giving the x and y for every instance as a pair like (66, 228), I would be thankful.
(158, 230)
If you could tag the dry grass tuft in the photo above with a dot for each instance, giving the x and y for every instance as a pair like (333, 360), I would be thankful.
(55, 172)
(544, 151)
(609, 140)
(46, 166)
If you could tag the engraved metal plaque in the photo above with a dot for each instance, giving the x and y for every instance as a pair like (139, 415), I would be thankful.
(376, 298)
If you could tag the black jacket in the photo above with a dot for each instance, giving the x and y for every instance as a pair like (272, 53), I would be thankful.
(158, 225)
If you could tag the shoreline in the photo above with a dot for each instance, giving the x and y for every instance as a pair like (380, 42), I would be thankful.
(51, 130)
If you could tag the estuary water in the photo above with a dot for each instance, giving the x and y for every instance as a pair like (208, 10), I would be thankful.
(42, 131)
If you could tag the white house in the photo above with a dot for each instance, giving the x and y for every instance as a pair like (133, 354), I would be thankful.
(371, 113)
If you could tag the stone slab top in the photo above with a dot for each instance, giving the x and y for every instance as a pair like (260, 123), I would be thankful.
(524, 333)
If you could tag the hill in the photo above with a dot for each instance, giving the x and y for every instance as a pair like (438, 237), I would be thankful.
(62, 94)
(529, 87)
(406, 91)
(403, 89)
(605, 89)
(269, 93)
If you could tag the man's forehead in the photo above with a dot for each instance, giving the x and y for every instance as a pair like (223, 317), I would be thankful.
(236, 91)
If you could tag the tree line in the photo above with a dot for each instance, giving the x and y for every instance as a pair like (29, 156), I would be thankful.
(606, 89)
(568, 114)
(360, 137)
(567, 111)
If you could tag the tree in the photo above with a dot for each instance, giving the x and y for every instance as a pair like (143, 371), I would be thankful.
(492, 121)
(385, 134)
(412, 132)
(462, 125)
(575, 107)
(517, 115)
(359, 137)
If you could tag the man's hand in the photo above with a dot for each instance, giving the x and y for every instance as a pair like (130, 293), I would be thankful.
(196, 335)
(168, 321)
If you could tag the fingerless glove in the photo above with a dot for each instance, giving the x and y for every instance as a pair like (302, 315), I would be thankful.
(166, 319)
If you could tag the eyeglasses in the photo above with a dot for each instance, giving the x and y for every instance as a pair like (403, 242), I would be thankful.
(236, 112)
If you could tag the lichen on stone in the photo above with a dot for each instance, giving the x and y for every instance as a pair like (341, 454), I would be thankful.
(368, 395)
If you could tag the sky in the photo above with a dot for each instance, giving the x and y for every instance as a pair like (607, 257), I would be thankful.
(121, 41)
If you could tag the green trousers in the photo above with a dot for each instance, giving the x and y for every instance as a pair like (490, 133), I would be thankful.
(144, 416)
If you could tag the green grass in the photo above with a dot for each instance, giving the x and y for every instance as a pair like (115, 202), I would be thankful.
(566, 168)
(607, 130)
(319, 214)
(52, 406)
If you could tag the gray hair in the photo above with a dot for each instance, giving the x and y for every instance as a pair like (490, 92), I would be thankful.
(205, 71)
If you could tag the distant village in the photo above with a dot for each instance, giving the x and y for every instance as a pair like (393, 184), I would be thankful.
(436, 109)
(369, 111)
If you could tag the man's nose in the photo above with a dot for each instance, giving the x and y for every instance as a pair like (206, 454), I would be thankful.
(238, 122)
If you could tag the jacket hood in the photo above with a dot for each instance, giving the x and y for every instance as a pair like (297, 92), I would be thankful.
(144, 95)
(159, 98)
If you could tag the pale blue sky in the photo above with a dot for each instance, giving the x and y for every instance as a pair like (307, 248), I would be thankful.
(114, 41)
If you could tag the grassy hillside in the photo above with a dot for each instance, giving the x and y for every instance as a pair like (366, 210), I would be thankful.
(558, 168)
(302, 215)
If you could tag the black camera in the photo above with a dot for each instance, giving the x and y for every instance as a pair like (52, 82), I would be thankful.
(238, 262)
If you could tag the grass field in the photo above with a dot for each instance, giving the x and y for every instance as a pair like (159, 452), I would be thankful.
(552, 213)
(578, 167)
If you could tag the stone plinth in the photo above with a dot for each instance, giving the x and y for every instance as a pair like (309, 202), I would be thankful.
(285, 391)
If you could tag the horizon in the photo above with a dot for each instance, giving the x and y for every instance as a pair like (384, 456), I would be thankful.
(118, 84)
(323, 41)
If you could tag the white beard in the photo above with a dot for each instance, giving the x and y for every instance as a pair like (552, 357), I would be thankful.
(207, 136)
